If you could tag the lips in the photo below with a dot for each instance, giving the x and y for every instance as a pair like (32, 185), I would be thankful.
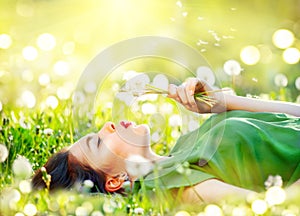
(125, 124)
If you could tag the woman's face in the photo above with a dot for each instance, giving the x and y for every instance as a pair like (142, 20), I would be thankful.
(108, 149)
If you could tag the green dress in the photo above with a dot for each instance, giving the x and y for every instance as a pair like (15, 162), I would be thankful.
(237, 147)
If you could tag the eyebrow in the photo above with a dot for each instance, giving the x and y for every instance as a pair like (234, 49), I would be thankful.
(88, 141)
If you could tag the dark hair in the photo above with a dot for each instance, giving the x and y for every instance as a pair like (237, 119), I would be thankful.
(66, 171)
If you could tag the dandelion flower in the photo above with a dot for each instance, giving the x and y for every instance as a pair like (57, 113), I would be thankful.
(138, 166)
(48, 131)
(232, 68)
(22, 167)
(3, 153)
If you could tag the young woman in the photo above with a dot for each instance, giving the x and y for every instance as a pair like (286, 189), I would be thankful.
(233, 152)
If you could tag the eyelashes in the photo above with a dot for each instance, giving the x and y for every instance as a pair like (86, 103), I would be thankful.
(98, 143)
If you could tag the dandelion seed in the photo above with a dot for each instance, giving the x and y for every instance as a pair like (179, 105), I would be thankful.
(206, 74)
(138, 166)
(3, 153)
(108, 208)
(22, 167)
(48, 131)
(137, 83)
(281, 80)
(30, 209)
(232, 68)
(88, 183)
(138, 211)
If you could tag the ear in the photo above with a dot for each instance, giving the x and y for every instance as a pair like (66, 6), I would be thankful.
(113, 184)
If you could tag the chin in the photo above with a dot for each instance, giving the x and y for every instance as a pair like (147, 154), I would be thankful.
(142, 129)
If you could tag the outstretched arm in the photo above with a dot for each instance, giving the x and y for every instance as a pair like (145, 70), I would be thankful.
(184, 94)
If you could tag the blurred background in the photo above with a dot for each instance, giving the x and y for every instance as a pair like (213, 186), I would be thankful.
(46, 44)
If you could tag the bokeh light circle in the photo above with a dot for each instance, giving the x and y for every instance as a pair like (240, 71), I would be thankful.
(30, 53)
(5, 41)
(28, 99)
(291, 55)
(46, 41)
(250, 55)
(297, 83)
(283, 38)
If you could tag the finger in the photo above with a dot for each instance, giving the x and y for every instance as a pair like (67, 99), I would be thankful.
(173, 92)
(190, 91)
(181, 91)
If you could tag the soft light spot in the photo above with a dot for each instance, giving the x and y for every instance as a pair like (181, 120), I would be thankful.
(148, 108)
(179, 4)
(68, 48)
(52, 102)
(21, 167)
(27, 75)
(90, 87)
(1, 106)
(259, 206)
(250, 55)
(5, 41)
(281, 80)
(275, 195)
(25, 186)
(30, 209)
(30, 53)
(161, 81)
(166, 108)
(61, 68)
(28, 99)
(46, 42)
(182, 213)
(213, 210)
(44, 79)
(232, 68)
(297, 83)
(291, 55)
(3, 153)
(283, 38)
(175, 120)
(205, 73)
(25, 8)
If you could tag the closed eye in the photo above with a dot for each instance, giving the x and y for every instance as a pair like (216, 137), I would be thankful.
(98, 143)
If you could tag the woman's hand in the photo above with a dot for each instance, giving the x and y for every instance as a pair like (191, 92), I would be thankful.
(184, 94)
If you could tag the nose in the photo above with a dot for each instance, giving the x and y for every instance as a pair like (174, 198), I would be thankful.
(108, 127)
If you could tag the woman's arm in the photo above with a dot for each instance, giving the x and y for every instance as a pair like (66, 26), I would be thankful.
(184, 94)
(213, 190)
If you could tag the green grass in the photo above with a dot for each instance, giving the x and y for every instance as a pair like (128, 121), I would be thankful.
(23, 132)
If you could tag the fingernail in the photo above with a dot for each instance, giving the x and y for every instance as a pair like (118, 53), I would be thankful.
(172, 90)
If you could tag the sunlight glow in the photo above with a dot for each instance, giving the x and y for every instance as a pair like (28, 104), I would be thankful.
(30, 53)
(61, 68)
(46, 42)
(291, 55)
(5, 41)
(27, 75)
(283, 38)
(28, 99)
(250, 55)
